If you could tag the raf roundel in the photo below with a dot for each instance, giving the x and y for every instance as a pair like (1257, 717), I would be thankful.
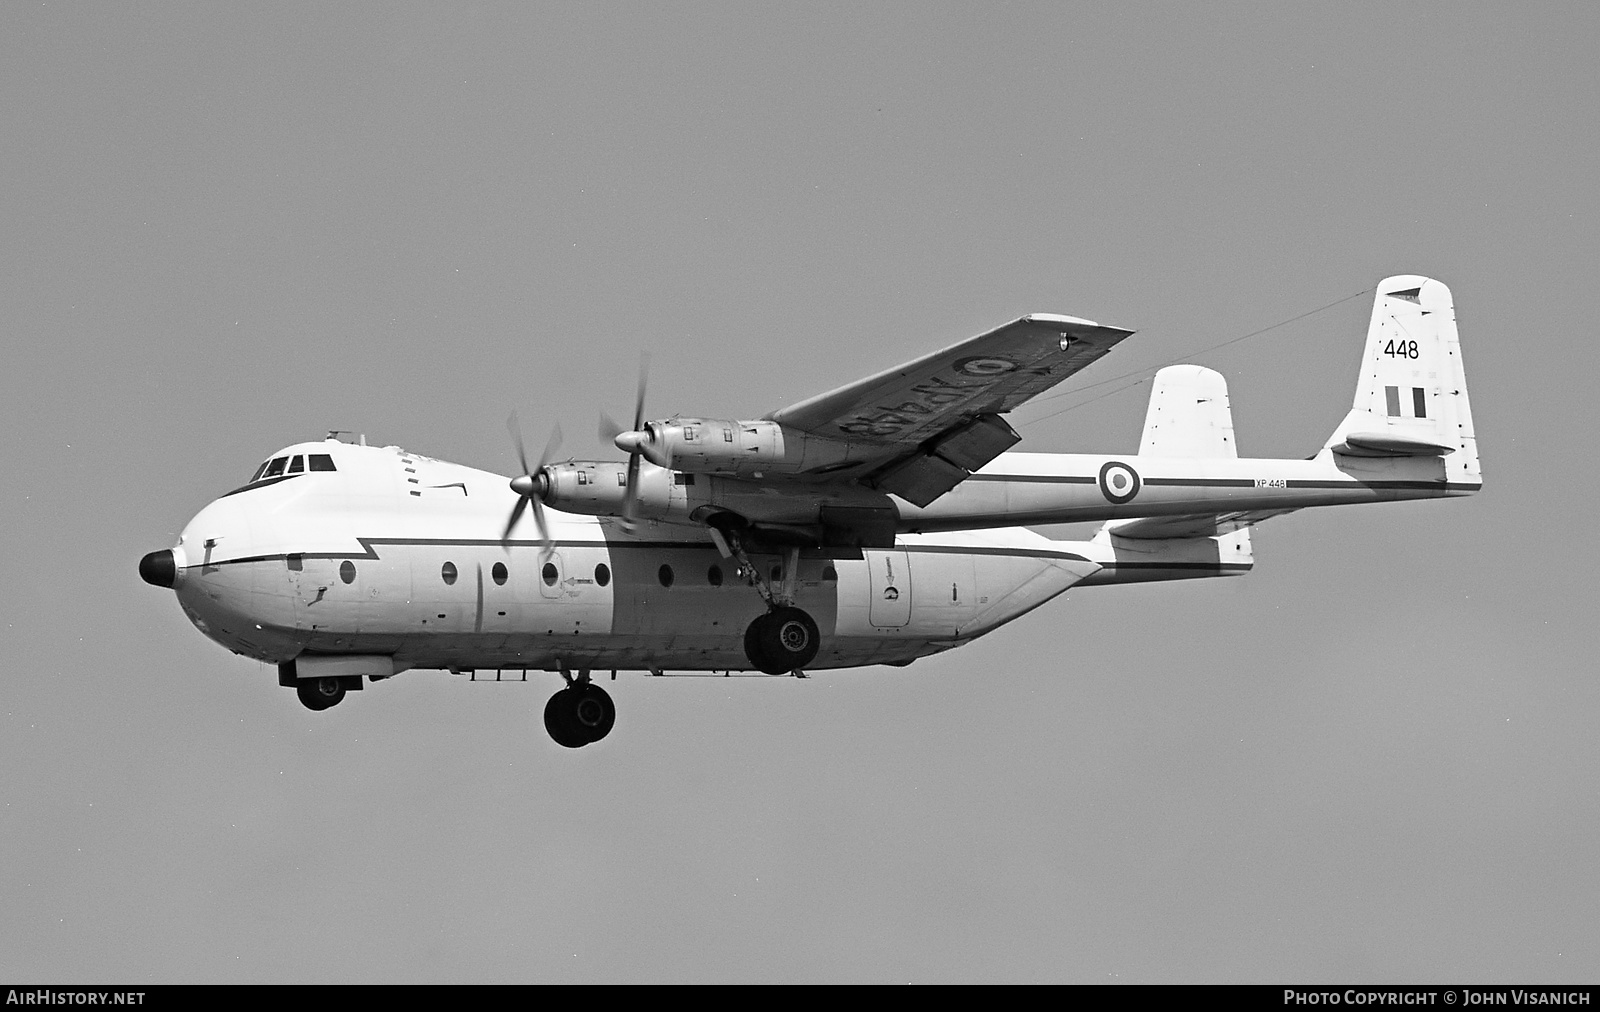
(983, 365)
(1119, 483)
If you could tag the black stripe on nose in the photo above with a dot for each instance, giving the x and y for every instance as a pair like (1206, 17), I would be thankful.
(158, 569)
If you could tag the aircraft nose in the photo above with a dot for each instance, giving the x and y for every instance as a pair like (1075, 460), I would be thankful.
(159, 569)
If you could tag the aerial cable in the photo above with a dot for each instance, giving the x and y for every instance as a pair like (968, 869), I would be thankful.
(1172, 361)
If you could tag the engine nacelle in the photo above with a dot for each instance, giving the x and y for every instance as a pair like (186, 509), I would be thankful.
(600, 488)
(834, 515)
(715, 445)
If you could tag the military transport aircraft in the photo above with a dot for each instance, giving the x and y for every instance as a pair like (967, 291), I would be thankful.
(875, 524)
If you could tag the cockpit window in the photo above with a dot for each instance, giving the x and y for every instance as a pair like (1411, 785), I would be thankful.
(286, 466)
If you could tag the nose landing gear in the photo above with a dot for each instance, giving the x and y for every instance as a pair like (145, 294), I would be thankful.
(320, 693)
(580, 713)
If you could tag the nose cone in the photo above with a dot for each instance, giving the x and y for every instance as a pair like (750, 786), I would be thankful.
(159, 569)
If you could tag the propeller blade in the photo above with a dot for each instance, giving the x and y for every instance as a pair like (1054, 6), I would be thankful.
(630, 498)
(547, 545)
(530, 485)
(515, 428)
(516, 514)
(609, 429)
(550, 447)
(638, 404)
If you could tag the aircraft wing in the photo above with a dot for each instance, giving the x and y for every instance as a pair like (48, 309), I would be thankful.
(919, 429)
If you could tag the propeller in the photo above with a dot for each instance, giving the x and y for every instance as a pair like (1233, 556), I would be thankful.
(632, 441)
(531, 485)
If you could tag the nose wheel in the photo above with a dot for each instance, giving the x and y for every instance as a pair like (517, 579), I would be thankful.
(319, 693)
(782, 640)
(579, 714)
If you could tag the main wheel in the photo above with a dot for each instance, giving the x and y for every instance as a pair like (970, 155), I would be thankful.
(319, 693)
(593, 712)
(783, 640)
(579, 714)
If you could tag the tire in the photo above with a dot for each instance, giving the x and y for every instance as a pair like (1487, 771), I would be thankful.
(783, 640)
(319, 693)
(593, 712)
(558, 720)
(580, 714)
(755, 646)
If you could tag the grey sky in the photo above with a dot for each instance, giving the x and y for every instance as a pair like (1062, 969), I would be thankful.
(224, 229)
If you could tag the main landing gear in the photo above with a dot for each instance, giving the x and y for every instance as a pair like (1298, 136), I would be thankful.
(785, 639)
(580, 713)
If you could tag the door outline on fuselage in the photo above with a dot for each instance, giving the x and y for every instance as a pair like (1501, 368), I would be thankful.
(889, 588)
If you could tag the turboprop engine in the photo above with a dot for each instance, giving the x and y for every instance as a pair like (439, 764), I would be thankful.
(600, 488)
(707, 445)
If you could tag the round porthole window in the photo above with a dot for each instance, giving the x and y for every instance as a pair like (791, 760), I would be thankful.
(347, 571)
(499, 573)
(602, 574)
(549, 574)
(714, 575)
(664, 574)
(447, 573)
(829, 574)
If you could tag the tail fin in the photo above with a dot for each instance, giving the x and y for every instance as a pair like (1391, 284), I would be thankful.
(1188, 415)
(1411, 398)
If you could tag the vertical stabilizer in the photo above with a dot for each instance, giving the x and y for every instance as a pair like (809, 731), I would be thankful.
(1411, 397)
(1188, 415)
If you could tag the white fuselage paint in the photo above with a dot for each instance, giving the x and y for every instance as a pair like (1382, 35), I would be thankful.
(354, 561)
(1047, 488)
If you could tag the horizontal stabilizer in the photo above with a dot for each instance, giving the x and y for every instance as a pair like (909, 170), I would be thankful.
(1390, 444)
(1188, 525)
(1142, 560)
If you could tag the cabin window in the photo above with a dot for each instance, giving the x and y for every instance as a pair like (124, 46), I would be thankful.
(714, 575)
(447, 573)
(296, 563)
(260, 471)
(347, 571)
(602, 574)
(549, 574)
(664, 574)
(296, 465)
(322, 462)
(500, 573)
(276, 467)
